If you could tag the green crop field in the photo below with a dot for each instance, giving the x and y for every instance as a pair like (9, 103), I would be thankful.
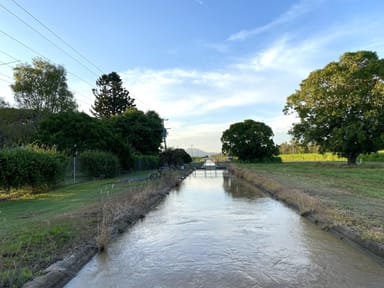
(373, 157)
(310, 157)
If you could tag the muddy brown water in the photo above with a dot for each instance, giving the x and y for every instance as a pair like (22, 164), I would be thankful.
(217, 231)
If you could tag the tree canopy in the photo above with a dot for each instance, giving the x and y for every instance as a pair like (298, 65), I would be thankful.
(64, 130)
(17, 126)
(111, 97)
(143, 131)
(341, 107)
(42, 86)
(249, 140)
(174, 157)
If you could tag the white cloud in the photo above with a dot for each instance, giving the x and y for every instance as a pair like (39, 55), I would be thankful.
(177, 92)
(200, 2)
(292, 13)
(187, 96)
(255, 86)
(202, 136)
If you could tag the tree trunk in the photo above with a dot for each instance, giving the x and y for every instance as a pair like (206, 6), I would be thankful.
(352, 158)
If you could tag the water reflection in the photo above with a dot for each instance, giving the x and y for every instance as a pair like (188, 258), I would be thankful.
(218, 232)
(237, 188)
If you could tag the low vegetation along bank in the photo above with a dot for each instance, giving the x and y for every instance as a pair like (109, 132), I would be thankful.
(346, 200)
(65, 227)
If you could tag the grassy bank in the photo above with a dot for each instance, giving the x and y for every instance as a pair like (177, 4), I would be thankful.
(38, 230)
(352, 197)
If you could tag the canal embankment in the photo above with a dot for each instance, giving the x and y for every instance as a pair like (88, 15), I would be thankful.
(49, 237)
(219, 231)
(347, 201)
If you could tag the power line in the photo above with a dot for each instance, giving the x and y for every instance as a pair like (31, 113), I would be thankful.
(8, 64)
(6, 76)
(81, 79)
(24, 45)
(145, 104)
(58, 37)
(54, 44)
(47, 39)
(81, 94)
(74, 75)
(9, 55)
(6, 81)
(41, 55)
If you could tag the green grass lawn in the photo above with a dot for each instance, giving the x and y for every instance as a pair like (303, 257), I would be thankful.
(34, 229)
(21, 212)
(364, 180)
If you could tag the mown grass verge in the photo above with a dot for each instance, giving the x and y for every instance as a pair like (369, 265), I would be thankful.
(332, 193)
(38, 230)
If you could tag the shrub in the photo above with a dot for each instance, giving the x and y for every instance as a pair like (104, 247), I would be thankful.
(27, 167)
(99, 163)
(174, 157)
(377, 157)
(143, 162)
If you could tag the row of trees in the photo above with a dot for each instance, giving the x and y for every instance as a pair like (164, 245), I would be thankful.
(133, 132)
(47, 116)
(340, 109)
(42, 86)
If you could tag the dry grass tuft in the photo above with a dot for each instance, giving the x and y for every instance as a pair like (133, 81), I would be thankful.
(305, 203)
(136, 200)
(376, 233)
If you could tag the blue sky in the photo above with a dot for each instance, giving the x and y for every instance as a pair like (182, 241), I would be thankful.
(201, 64)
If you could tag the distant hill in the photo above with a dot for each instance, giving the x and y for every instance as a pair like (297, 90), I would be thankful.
(195, 152)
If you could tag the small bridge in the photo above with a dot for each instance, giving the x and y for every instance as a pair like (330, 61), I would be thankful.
(210, 164)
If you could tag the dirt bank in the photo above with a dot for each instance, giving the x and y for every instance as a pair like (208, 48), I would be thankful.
(310, 202)
(118, 215)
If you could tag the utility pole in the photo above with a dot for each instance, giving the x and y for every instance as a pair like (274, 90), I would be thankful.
(75, 151)
(165, 134)
(192, 151)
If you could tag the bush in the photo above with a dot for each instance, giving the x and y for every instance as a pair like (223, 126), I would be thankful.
(28, 167)
(274, 159)
(143, 162)
(99, 163)
(376, 157)
(174, 157)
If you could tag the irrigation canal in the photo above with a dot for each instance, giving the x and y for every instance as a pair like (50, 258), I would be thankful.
(216, 231)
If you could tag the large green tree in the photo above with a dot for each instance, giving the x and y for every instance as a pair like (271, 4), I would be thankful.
(249, 140)
(17, 126)
(111, 97)
(42, 86)
(174, 157)
(66, 129)
(143, 131)
(341, 107)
